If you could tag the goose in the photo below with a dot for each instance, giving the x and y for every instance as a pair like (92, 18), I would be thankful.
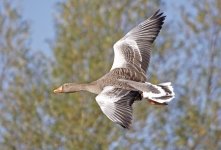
(126, 82)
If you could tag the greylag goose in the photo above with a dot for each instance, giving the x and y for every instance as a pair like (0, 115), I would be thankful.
(126, 81)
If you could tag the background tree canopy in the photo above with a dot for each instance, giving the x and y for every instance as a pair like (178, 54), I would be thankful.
(186, 52)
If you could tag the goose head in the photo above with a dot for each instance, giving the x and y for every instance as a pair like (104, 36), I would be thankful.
(69, 88)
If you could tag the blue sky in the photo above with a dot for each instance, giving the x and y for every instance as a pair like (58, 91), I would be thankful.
(40, 14)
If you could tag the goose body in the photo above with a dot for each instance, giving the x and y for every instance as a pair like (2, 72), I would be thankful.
(126, 82)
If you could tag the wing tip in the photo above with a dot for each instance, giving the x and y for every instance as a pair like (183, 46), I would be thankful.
(158, 17)
(125, 126)
(158, 14)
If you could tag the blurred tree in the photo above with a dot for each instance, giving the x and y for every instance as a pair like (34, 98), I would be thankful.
(200, 125)
(21, 83)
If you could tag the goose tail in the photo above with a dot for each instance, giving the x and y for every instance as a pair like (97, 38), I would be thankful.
(159, 94)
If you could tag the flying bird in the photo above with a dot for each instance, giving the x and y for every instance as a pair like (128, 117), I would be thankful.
(126, 82)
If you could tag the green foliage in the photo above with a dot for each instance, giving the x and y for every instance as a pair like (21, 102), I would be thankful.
(20, 95)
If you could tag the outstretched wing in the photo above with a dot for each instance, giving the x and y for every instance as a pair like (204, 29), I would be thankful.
(116, 104)
(135, 47)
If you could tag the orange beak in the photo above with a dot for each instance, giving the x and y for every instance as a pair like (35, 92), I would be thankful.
(58, 90)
